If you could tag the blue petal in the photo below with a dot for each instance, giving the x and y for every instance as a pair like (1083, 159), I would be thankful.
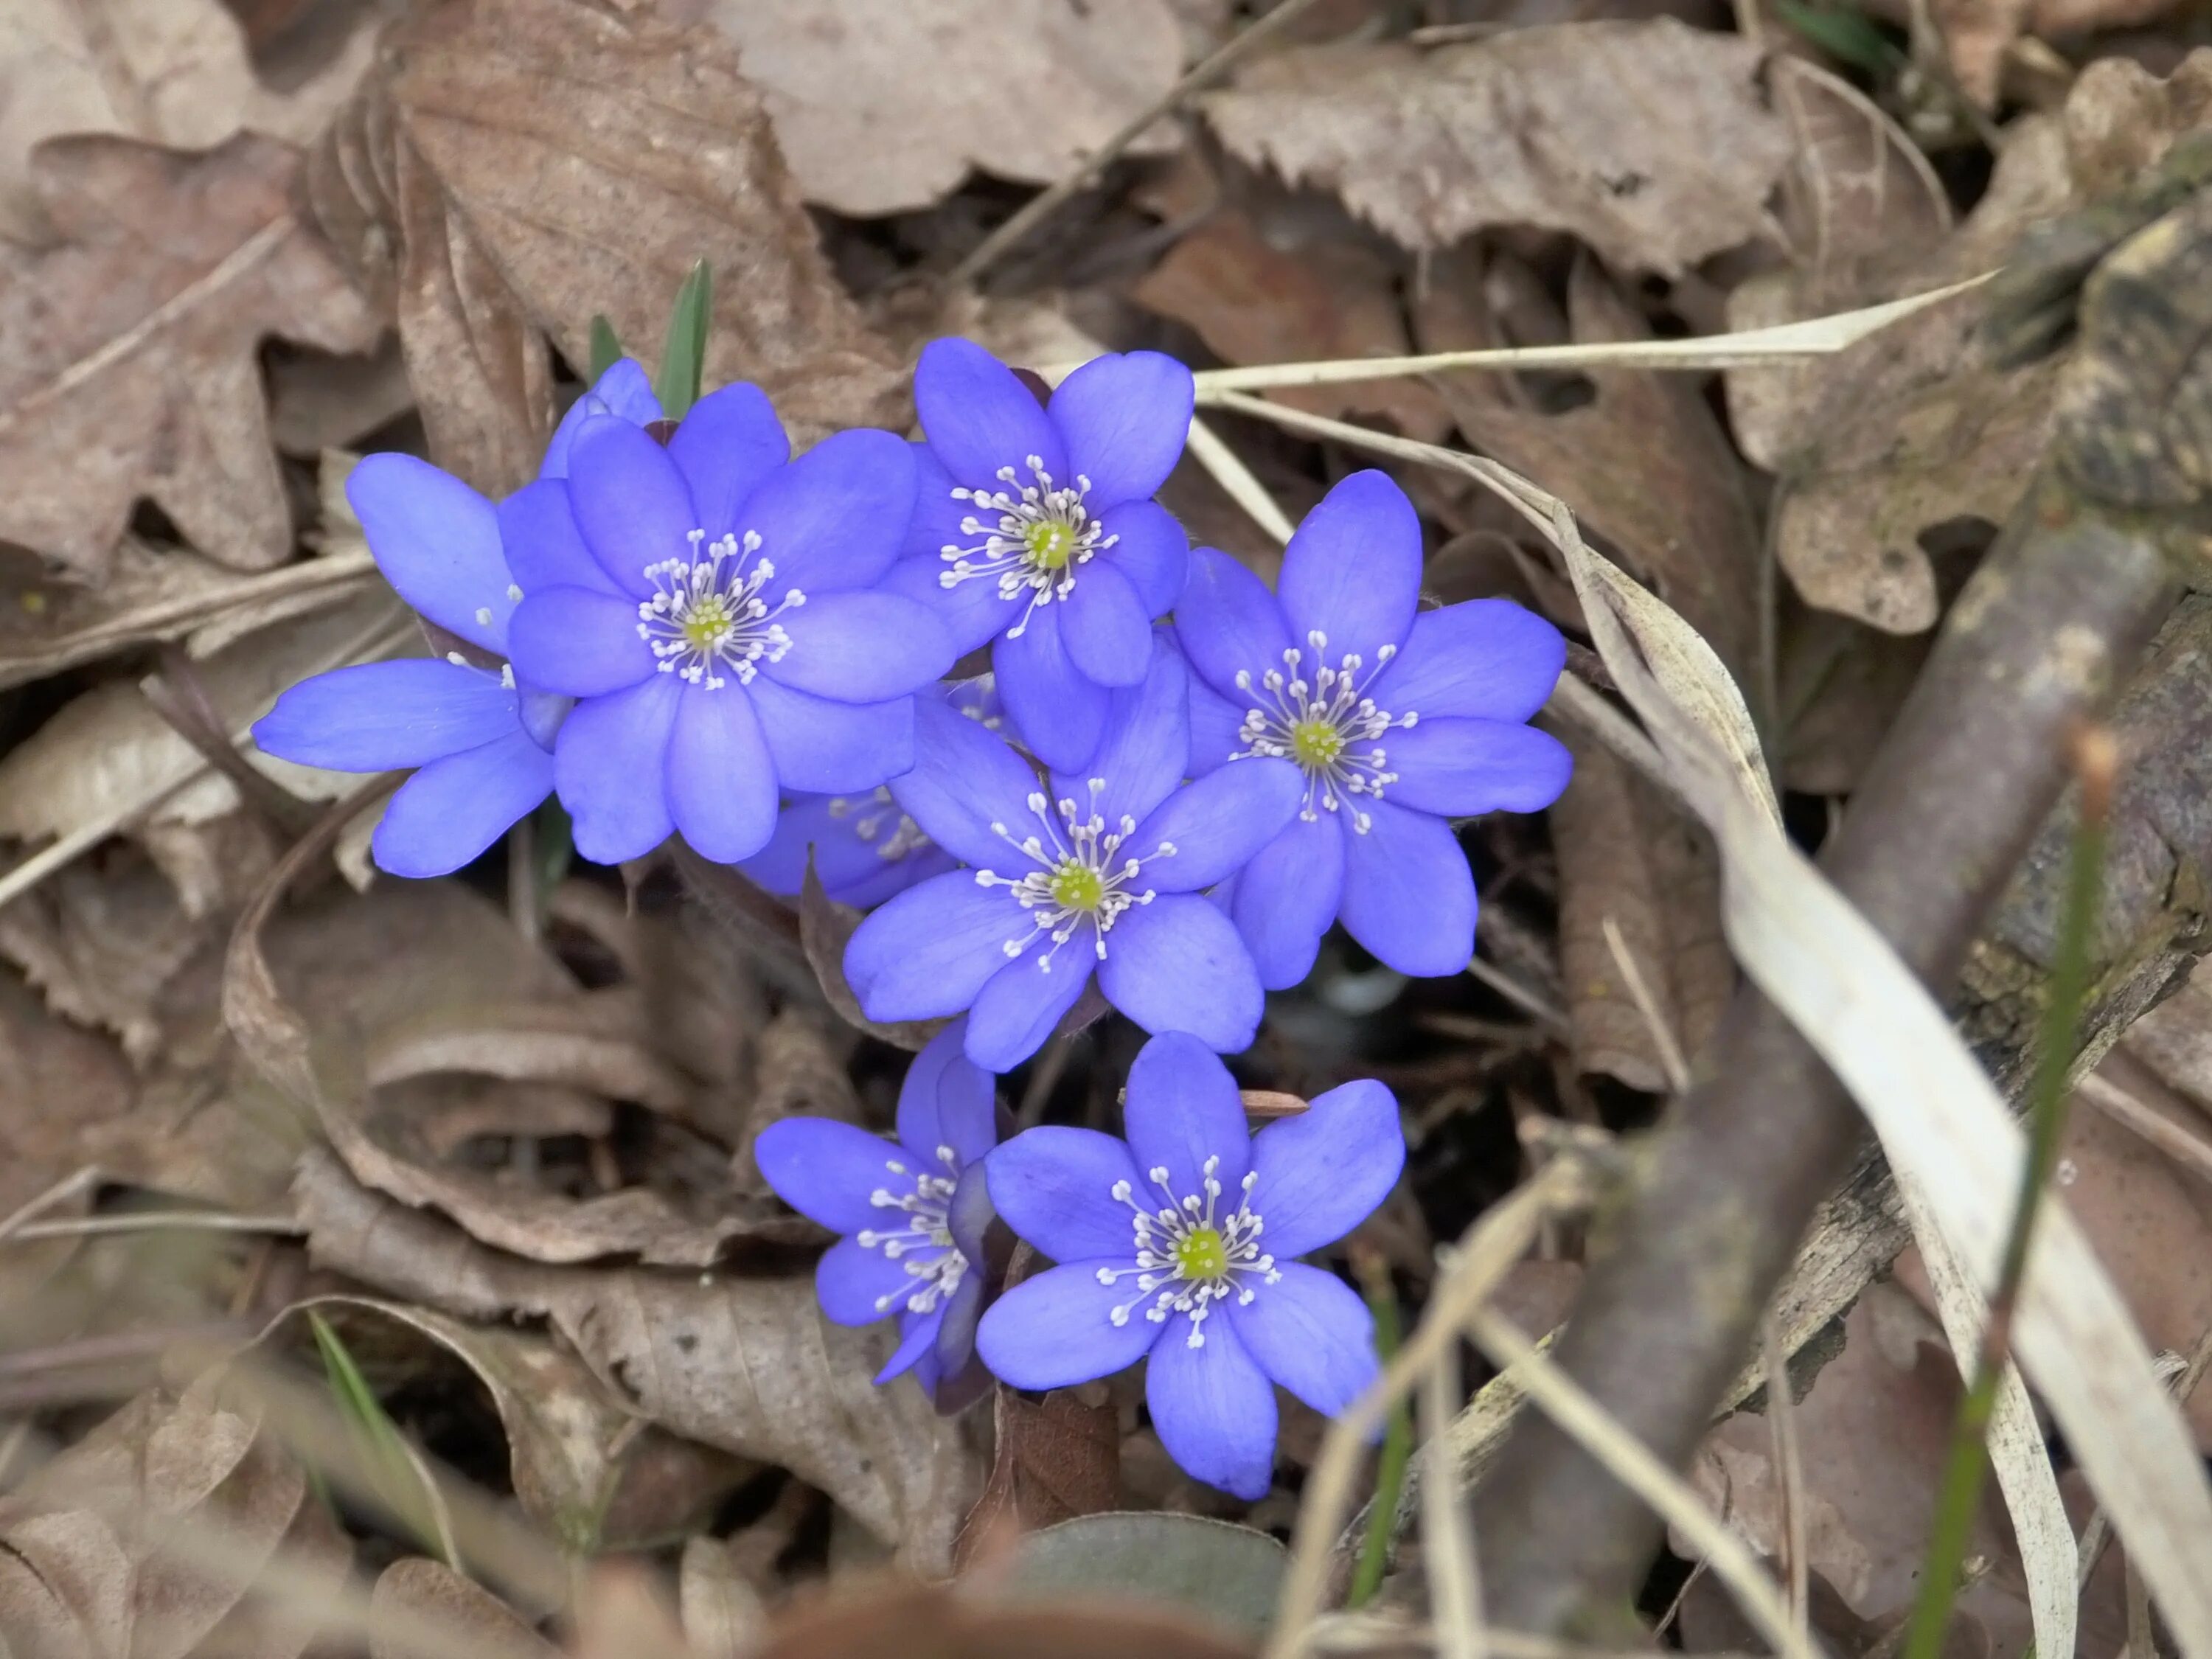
(1212, 1408)
(1109, 635)
(964, 780)
(1216, 728)
(888, 878)
(850, 1282)
(1217, 824)
(1408, 894)
(1287, 895)
(1150, 550)
(1230, 625)
(451, 811)
(1176, 965)
(1311, 1333)
(1458, 768)
(609, 765)
(826, 1170)
(1182, 1109)
(437, 541)
(972, 611)
(1143, 748)
(917, 1342)
(721, 783)
(1324, 1170)
(979, 418)
(969, 1215)
(947, 1100)
(729, 442)
(1481, 660)
(625, 390)
(804, 824)
(834, 748)
(956, 1337)
(860, 645)
(1055, 1187)
(579, 641)
(630, 501)
(1017, 1009)
(1056, 1329)
(1353, 571)
(836, 517)
(927, 952)
(379, 715)
(1125, 418)
(1056, 709)
(544, 549)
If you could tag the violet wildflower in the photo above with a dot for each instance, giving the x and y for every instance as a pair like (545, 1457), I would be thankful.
(1177, 1244)
(482, 742)
(1399, 722)
(865, 846)
(1097, 871)
(912, 1211)
(715, 607)
(1036, 527)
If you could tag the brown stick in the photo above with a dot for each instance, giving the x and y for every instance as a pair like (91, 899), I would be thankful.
(2063, 606)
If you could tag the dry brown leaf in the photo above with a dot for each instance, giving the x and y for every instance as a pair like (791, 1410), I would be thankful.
(746, 1364)
(1978, 36)
(1872, 1433)
(940, 1622)
(724, 1615)
(1052, 1459)
(418, 1594)
(1254, 302)
(1913, 429)
(883, 106)
(1840, 686)
(825, 928)
(581, 1469)
(519, 165)
(1627, 853)
(144, 1539)
(1644, 464)
(175, 72)
(1650, 141)
(128, 367)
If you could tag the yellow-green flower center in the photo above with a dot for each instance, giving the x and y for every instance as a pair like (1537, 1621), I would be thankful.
(1051, 543)
(1315, 744)
(1076, 886)
(709, 620)
(1200, 1254)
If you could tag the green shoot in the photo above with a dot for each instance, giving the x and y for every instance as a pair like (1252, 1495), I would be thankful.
(684, 355)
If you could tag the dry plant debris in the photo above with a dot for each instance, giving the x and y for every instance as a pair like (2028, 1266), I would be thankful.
(319, 1185)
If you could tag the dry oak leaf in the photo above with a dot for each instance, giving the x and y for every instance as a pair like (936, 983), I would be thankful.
(176, 72)
(1651, 141)
(884, 106)
(129, 367)
(519, 165)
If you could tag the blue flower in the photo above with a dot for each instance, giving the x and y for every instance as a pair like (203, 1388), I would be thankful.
(913, 1213)
(1036, 527)
(716, 608)
(1399, 722)
(865, 848)
(1103, 874)
(483, 744)
(1154, 1261)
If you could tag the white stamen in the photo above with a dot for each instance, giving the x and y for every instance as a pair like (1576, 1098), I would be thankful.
(1164, 1240)
(1033, 536)
(1289, 712)
(871, 814)
(937, 1275)
(703, 618)
(1084, 875)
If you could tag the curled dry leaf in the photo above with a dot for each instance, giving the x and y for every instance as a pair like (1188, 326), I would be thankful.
(880, 106)
(519, 165)
(129, 363)
(1052, 1459)
(745, 1364)
(825, 928)
(1651, 141)
(423, 1609)
(1916, 428)
(148, 1536)
(582, 1472)
(1628, 855)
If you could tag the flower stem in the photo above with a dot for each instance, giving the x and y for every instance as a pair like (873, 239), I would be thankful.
(1958, 1497)
(1397, 1438)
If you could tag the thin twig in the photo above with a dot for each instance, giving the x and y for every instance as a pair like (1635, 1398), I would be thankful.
(1033, 212)
(1448, 1542)
(1676, 1069)
(1237, 481)
(1518, 994)
(61, 1192)
(2191, 1150)
(146, 1221)
(1789, 1462)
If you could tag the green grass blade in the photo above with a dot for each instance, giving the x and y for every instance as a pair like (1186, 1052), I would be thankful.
(683, 354)
(1397, 1440)
(399, 1479)
(1849, 35)
(606, 347)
